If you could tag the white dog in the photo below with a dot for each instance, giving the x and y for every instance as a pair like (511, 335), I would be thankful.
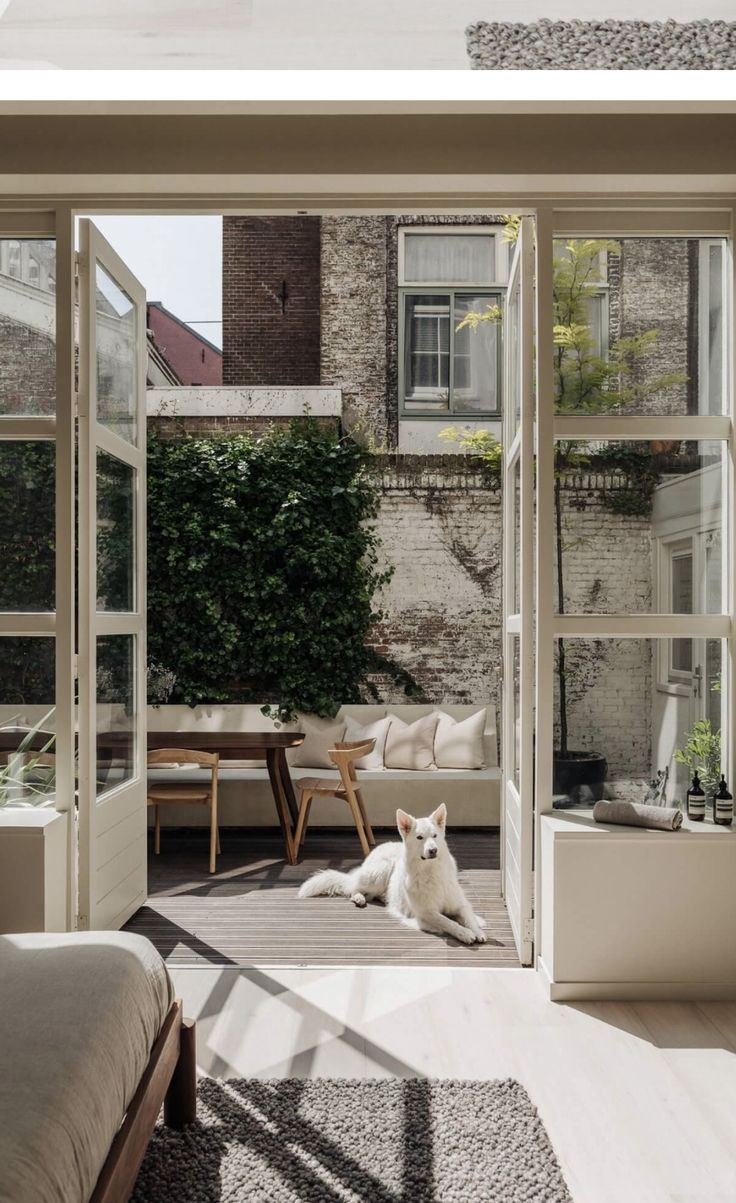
(416, 879)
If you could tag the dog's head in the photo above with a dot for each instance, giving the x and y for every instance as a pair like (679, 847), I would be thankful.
(423, 838)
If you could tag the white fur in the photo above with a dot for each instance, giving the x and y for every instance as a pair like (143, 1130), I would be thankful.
(416, 879)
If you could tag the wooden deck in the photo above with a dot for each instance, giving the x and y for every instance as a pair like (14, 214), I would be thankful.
(247, 914)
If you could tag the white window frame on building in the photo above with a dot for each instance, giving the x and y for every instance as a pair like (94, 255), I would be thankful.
(444, 398)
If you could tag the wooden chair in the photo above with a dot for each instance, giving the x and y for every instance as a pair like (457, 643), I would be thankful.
(344, 756)
(197, 793)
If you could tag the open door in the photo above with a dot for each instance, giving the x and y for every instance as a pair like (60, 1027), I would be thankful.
(518, 559)
(112, 586)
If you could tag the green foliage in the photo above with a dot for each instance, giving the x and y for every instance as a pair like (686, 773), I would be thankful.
(479, 443)
(27, 552)
(702, 755)
(29, 777)
(263, 568)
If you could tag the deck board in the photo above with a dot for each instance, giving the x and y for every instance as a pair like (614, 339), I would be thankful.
(247, 914)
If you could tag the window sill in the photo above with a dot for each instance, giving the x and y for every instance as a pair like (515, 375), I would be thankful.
(675, 691)
(447, 416)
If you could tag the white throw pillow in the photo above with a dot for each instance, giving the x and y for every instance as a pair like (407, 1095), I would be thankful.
(411, 745)
(377, 730)
(458, 743)
(320, 734)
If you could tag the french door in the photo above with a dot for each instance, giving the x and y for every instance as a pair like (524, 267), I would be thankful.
(518, 615)
(112, 586)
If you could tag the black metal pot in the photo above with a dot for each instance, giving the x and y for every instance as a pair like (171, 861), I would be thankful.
(580, 777)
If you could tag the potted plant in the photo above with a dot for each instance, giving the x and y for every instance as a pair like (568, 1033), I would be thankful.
(586, 381)
(702, 755)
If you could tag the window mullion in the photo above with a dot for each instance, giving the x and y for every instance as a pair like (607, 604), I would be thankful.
(451, 352)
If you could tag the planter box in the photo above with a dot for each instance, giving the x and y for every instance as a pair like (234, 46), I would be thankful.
(33, 864)
(633, 914)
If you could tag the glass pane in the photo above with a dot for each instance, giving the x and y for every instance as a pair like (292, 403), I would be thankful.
(27, 534)
(712, 343)
(116, 357)
(639, 326)
(449, 259)
(513, 353)
(625, 514)
(27, 327)
(517, 537)
(516, 717)
(476, 357)
(27, 720)
(623, 731)
(427, 351)
(116, 717)
(115, 533)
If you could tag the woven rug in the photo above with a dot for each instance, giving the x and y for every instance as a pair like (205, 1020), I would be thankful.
(602, 45)
(339, 1141)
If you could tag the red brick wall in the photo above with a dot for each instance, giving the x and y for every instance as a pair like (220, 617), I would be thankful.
(266, 341)
(191, 357)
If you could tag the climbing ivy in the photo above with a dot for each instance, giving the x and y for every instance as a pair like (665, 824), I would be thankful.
(263, 568)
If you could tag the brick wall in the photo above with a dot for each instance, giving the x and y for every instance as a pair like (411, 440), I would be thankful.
(27, 369)
(607, 568)
(268, 339)
(355, 320)
(440, 525)
(657, 284)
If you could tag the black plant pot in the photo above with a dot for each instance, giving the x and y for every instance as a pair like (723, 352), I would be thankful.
(580, 777)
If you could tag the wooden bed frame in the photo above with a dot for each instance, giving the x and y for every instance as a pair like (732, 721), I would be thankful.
(170, 1079)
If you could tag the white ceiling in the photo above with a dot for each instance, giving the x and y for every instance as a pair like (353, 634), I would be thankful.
(281, 34)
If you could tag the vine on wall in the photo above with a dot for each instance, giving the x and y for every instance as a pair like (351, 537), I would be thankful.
(262, 568)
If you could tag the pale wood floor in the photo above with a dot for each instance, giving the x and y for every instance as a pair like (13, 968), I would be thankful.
(282, 34)
(248, 913)
(639, 1099)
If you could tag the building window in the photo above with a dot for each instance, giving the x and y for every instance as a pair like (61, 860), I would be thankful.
(34, 272)
(444, 275)
(681, 602)
(14, 261)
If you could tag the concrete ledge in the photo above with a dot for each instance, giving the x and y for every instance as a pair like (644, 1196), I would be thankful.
(259, 402)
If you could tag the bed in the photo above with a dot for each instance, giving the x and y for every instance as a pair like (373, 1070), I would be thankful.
(92, 1043)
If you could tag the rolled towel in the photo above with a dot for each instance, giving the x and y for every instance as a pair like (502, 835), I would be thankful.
(636, 814)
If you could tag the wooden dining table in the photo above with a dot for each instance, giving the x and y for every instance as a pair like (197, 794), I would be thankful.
(248, 745)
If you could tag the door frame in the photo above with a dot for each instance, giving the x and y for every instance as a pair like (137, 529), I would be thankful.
(642, 205)
(124, 804)
(517, 799)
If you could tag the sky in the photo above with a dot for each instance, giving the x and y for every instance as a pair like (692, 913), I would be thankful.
(178, 260)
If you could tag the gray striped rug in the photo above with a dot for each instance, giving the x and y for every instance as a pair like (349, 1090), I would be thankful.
(602, 45)
(334, 1140)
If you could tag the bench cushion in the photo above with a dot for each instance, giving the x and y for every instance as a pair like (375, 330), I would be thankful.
(458, 743)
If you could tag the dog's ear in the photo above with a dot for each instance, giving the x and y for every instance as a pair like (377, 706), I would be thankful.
(439, 817)
(404, 822)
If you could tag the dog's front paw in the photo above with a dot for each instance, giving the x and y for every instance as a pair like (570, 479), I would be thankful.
(466, 936)
(480, 936)
(359, 899)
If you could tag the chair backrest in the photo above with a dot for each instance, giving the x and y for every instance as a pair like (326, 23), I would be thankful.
(345, 753)
(159, 756)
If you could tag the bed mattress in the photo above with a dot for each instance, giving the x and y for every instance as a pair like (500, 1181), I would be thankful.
(79, 1015)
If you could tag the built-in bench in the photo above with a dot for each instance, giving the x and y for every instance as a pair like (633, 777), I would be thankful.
(472, 795)
(632, 913)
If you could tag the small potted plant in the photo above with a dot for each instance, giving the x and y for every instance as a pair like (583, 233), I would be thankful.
(702, 755)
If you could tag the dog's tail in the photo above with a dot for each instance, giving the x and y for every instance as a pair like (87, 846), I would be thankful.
(327, 882)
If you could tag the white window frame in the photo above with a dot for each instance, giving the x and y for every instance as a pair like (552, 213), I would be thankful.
(501, 255)
(433, 404)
